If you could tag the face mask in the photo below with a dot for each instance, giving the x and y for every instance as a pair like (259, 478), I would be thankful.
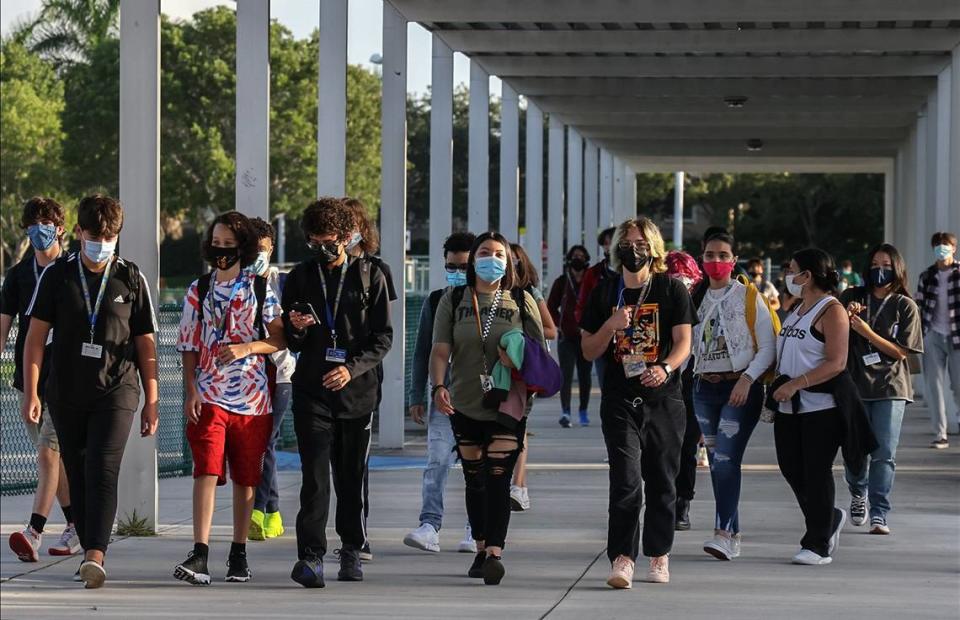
(262, 264)
(794, 289)
(457, 278)
(224, 258)
(42, 236)
(606, 255)
(578, 264)
(99, 251)
(943, 251)
(354, 241)
(881, 276)
(847, 272)
(718, 270)
(632, 261)
(490, 268)
(326, 253)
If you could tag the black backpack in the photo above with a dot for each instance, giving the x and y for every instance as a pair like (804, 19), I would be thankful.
(259, 291)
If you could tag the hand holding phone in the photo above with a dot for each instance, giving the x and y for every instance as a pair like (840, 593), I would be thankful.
(302, 315)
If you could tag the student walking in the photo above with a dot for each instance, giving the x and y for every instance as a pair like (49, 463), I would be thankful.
(641, 322)
(884, 330)
(99, 308)
(43, 220)
(562, 306)
(599, 272)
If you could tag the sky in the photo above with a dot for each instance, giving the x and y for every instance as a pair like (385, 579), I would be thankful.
(301, 17)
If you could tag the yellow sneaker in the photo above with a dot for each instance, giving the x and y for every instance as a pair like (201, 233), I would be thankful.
(272, 525)
(256, 531)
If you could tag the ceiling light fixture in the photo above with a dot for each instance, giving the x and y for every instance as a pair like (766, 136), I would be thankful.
(736, 102)
(754, 145)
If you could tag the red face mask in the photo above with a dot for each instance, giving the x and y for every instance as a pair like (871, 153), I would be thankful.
(717, 270)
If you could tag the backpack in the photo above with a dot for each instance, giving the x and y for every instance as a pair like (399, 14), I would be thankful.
(133, 279)
(456, 297)
(750, 309)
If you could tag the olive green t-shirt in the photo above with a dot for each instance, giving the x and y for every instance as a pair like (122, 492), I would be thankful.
(458, 328)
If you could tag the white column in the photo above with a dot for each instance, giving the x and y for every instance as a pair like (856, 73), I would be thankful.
(678, 180)
(332, 100)
(930, 206)
(591, 173)
(509, 163)
(555, 198)
(253, 108)
(945, 120)
(953, 223)
(140, 195)
(574, 187)
(478, 165)
(393, 212)
(533, 215)
(630, 191)
(889, 197)
(606, 189)
(907, 213)
(619, 202)
(441, 157)
(918, 220)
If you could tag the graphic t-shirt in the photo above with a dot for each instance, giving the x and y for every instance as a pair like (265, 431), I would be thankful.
(241, 386)
(713, 355)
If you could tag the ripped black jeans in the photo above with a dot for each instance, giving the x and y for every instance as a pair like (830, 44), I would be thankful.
(488, 452)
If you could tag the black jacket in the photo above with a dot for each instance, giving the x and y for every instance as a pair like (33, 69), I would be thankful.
(363, 329)
(858, 438)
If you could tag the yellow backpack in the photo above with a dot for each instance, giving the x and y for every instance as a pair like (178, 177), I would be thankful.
(751, 312)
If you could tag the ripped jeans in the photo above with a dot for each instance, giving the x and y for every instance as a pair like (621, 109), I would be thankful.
(726, 431)
(488, 453)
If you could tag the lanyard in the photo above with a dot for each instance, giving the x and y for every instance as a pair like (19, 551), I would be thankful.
(484, 330)
(635, 319)
(872, 321)
(36, 273)
(95, 310)
(221, 326)
(331, 313)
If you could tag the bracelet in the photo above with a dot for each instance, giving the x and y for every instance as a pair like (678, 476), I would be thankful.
(806, 381)
(749, 379)
(433, 391)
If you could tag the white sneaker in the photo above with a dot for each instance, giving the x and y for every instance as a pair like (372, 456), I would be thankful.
(519, 498)
(723, 545)
(426, 538)
(26, 544)
(835, 538)
(468, 544)
(69, 543)
(809, 558)
(92, 574)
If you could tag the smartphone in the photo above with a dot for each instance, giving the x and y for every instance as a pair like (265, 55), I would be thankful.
(306, 308)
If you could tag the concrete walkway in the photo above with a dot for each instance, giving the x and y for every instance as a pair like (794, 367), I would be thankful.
(556, 565)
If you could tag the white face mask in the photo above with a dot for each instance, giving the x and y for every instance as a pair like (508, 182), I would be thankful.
(262, 264)
(794, 289)
(355, 240)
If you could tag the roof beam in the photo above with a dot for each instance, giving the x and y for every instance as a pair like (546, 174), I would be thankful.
(781, 148)
(851, 118)
(746, 132)
(716, 105)
(796, 165)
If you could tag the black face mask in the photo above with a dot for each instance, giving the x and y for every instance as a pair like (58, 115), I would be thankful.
(325, 253)
(881, 276)
(631, 260)
(606, 255)
(577, 264)
(223, 258)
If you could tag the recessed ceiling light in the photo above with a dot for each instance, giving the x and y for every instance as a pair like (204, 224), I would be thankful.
(736, 101)
(754, 145)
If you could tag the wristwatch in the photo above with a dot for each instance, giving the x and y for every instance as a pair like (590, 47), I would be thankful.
(433, 392)
(667, 368)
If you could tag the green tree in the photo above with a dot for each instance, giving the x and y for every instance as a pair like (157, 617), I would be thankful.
(67, 31)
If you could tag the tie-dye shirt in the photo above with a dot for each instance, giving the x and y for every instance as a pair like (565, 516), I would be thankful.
(241, 386)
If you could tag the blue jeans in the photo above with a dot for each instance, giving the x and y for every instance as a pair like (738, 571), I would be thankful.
(441, 455)
(941, 371)
(268, 495)
(726, 431)
(886, 417)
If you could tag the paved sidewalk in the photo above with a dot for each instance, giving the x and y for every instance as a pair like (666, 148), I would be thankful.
(555, 560)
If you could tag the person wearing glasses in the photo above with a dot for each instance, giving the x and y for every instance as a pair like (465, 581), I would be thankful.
(765, 286)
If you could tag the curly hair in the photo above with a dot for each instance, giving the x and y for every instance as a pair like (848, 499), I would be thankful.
(651, 234)
(100, 215)
(263, 229)
(458, 242)
(368, 230)
(327, 216)
(243, 231)
(42, 208)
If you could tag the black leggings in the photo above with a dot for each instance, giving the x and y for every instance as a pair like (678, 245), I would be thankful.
(571, 356)
(488, 478)
(687, 474)
(91, 445)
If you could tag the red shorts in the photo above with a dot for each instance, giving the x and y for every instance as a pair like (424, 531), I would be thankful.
(221, 437)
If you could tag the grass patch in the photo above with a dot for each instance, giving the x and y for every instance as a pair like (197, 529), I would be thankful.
(134, 525)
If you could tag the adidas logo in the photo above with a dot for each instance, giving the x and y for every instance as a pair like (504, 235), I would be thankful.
(118, 300)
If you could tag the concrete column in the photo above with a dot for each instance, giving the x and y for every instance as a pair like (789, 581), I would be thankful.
(253, 108)
(332, 100)
(906, 216)
(619, 202)
(140, 195)
(945, 121)
(478, 165)
(509, 163)
(574, 187)
(630, 191)
(918, 220)
(606, 192)
(591, 173)
(441, 158)
(678, 180)
(555, 198)
(889, 197)
(930, 205)
(533, 216)
(953, 222)
(393, 212)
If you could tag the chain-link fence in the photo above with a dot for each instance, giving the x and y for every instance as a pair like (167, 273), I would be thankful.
(18, 472)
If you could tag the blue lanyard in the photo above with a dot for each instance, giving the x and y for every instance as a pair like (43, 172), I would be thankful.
(218, 329)
(621, 286)
(95, 310)
(331, 313)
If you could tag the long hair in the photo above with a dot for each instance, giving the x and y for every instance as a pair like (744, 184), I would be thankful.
(509, 279)
(651, 234)
(527, 275)
(371, 238)
(823, 270)
(900, 279)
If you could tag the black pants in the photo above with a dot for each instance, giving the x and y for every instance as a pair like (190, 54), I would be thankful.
(643, 444)
(488, 478)
(91, 446)
(807, 444)
(327, 443)
(571, 357)
(687, 474)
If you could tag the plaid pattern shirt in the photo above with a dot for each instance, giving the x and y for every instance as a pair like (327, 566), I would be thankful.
(926, 298)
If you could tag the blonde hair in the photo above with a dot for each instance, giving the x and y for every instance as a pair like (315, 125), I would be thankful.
(651, 234)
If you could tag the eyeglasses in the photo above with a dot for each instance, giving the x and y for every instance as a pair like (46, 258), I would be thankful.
(755, 274)
(635, 245)
(454, 268)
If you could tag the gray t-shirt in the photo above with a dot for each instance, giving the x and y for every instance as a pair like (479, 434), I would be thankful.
(898, 322)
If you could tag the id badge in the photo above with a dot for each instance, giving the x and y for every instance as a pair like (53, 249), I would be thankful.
(871, 358)
(337, 356)
(88, 349)
(633, 365)
(486, 383)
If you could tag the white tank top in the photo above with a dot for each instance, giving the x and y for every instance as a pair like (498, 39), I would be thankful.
(799, 352)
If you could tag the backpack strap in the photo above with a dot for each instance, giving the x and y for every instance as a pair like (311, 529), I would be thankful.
(260, 292)
(203, 289)
(456, 296)
(435, 298)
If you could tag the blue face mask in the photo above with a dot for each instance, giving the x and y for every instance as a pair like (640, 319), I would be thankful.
(262, 264)
(942, 251)
(355, 240)
(457, 278)
(99, 251)
(42, 236)
(490, 268)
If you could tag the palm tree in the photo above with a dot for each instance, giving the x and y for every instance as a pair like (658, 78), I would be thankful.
(66, 31)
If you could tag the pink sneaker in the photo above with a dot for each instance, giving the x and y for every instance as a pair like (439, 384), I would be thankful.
(26, 544)
(659, 570)
(621, 574)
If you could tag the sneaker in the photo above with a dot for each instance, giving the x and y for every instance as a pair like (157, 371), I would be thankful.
(350, 565)
(92, 574)
(272, 525)
(308, 572)
(659, 570)
(723, 545)
(426, 538)
(937, 444)
(193, 570)
(682, 513)
(565, 420)
(584, 419)
(839, 518)
(810, 558)
(858, 510)
(76, 575)
(237, 568)
(256, 531)
(878, 525)
(703, 460)
(69, 543)
(468, 544)
(493, 570)
(621, 573)
(26, 544)
(476, 568)
(365, 553)
(516, 498)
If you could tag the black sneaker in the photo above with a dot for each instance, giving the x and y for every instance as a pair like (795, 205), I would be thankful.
(682, 523)
(350, 565)
(565, 420)
(476, 569)
(366, 555)
(858, 510)
(308, 572)
(193, 570)
(237, 569)
(493, 570)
